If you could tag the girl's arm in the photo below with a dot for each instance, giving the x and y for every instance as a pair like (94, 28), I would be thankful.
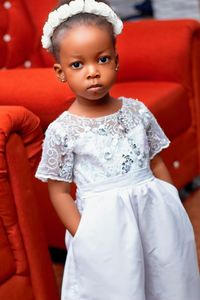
(159, 169)
(64, 204)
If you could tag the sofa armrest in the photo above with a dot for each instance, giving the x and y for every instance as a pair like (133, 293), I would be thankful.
(158, 51)
(27, 271)
(17, 119)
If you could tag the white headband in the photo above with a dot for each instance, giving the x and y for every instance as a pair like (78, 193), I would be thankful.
(65, 11)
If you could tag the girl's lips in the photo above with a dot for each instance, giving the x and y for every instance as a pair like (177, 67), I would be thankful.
(95, 88)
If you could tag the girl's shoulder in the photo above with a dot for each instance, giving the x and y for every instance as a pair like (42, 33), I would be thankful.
(60, 126)
(139, 111)
(135, 105)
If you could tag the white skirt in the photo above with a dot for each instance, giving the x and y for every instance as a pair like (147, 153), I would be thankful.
(134, 242)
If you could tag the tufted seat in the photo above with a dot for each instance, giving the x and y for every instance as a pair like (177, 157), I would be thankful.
(20, 30)
(14, 49)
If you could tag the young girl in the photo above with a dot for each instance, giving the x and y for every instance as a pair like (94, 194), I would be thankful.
(128, 235)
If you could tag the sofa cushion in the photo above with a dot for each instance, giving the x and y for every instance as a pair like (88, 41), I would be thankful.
(167, 100)
(36, 89)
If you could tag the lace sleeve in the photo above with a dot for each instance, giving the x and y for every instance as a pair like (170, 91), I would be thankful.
(57, 157)
(157, 139)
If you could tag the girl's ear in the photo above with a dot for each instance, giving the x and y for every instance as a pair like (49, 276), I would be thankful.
(59, 73)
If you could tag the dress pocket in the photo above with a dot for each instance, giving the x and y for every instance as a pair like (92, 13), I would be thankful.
(81, 226)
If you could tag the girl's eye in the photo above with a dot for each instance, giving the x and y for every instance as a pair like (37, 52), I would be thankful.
(104, 59)
(76, 65)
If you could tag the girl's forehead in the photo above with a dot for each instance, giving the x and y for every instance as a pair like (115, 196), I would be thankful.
(85, 38)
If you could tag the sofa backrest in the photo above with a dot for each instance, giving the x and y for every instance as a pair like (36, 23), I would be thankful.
(20, 32)
(149, 50)
(154, 50)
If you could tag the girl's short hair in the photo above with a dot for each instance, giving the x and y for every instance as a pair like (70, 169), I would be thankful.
(81, 19)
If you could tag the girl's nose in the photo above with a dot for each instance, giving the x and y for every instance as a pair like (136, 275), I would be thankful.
(92, 72)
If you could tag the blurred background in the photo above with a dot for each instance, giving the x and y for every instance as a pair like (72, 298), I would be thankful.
(159, 9)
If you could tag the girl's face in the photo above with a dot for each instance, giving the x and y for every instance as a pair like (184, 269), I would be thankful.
(88, 61)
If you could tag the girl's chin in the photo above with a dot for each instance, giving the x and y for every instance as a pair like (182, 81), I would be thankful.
(96, 96)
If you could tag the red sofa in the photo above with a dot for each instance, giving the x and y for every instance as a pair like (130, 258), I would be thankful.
(25, 266)
(159, 64)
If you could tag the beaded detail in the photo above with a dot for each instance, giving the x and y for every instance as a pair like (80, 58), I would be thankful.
(86, 150)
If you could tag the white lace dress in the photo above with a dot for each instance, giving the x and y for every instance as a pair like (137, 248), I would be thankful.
(134, 240)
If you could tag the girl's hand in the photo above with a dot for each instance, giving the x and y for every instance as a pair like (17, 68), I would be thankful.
(159, 169)
(73, 232)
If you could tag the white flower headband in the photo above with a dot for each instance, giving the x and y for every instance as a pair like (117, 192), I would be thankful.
(65, 11)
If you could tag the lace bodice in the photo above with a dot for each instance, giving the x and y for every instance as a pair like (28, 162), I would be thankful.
(87, 150)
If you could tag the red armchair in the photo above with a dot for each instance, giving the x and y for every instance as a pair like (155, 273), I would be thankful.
(159, 64)
(25, 266)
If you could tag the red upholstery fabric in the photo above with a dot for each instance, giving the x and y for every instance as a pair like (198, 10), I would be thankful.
(20, 32)
(39, 12)
(26, 271)
(4, 22)
(13, 39)
(169, 51)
